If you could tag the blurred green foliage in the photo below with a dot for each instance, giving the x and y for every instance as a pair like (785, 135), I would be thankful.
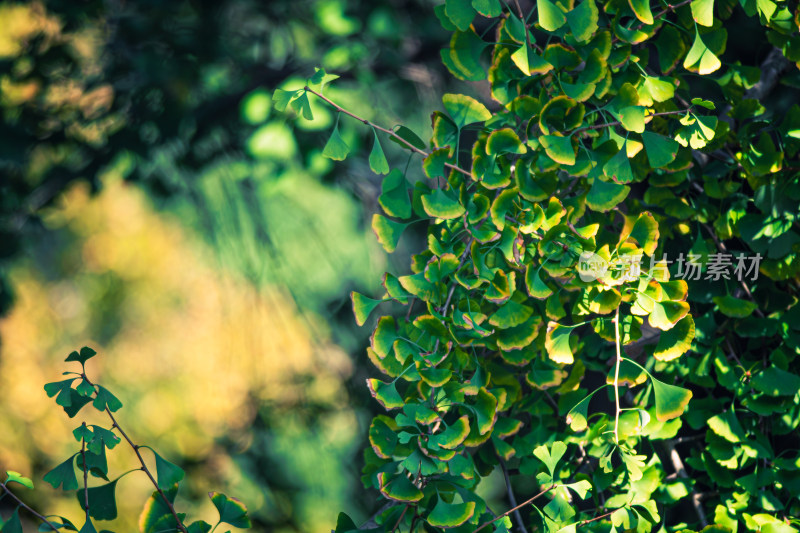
(175, 97)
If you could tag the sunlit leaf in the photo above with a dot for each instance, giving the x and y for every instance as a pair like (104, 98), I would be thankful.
(671, 400)
(377, 159)
(465, 110)
(336, 148)
(446, 515)
(231, 511)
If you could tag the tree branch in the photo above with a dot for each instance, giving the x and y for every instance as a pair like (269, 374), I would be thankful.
(523, 504)
(385, 130)
(135, 448)
(511, 498)
(27, 508)
(677, 464)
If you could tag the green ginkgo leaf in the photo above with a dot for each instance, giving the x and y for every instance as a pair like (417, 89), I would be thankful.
(281, 98)
(551, 456)
(399, 488)
(13, 524)
(618, 168)
(440, 204)
(559, 148)
(605, 195)
(550, 15)
(363, 306)
(321, 78)
(16, 477)
(661, 151)
(167, 474)
(504, 141)
(577, 416)
(446, 515)
(671, 400)
(394, 195)
(105, 400)
(460, 13)
(703, 12)
(408, 138)
(641, 8)
(557, 343)
(465, 110)
(382, 438)
(336, 148)
(529, 62)
(734, 307)
(388, 231)
(676, 341)
(658, 89)
(582, 20)
(700, 59)
(644, 232)
(666, 314)
(488, 8)
(231, 510)
(63, 475)
(727, 426)
(385, 393)
(377, 159)
(84, 355)
(632, 118)
(102, 501)
(537, 288)
(485, 408)
(452, 437)
(302, 106)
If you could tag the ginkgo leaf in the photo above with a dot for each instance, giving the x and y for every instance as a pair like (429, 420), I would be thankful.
(700, 59)
(557, 343)
(377, 159)
(641, 8)
(582, 20)
(618, 168)
(446, 515)
(671, 400)
(703, 12)
(336, 148)
(676, 341)
(550, 15)
(465, 110)
(661, 151)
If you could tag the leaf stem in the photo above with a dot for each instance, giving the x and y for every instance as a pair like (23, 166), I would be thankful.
(385, 130)
(520, 506)
(27, 508)
(618, 123)
(616, 377)
(85, 478)
(144, 468)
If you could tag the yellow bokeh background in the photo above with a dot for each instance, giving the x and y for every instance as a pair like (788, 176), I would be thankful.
(190, 349)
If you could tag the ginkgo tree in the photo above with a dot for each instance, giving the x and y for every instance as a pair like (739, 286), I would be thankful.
(605, 314)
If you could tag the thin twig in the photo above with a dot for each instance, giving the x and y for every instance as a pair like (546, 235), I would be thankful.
(657, 16)
(511, 498)
(584, 522)
(397, 524)
(618, 123)
(85, 478)
(146, 470)
(385, 130)
(520, 506)
(616, 378)
(27, 508)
